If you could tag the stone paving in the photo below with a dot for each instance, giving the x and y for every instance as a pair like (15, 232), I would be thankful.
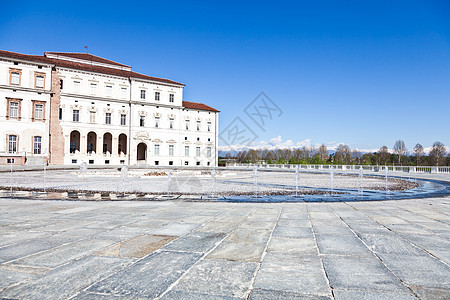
(194, 250)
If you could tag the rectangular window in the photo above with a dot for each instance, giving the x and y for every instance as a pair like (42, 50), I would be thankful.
(197, 151)
(60, 113)
(13, 109)
(108, 118)
(37, 145)
(123, 119)
(171, 121)
(156, 122)
(156, 149)
(61, 84)
(38, 111)
(208, 151)
(40, 81)
(156, 162)
(123, 92)
(76, 115)
(142, 94)
(142, 121)
(15, 78)
(93, 88)
(209, 126)
(76, 86)
(186, 150)
(92, 117)
(109, 90)
(186, 163)
(197, 163)
(12, 143)
(171, 98)
(157, 95)
(198, 125)
(170, 150)
(170, 162)
(187, 124)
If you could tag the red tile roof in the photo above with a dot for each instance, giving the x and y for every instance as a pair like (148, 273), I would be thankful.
(88, 57)
(84, 67)
(199, 106)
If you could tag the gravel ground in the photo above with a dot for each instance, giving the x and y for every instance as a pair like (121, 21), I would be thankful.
(227, 182)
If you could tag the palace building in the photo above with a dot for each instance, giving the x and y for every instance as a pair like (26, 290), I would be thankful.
(69, 108)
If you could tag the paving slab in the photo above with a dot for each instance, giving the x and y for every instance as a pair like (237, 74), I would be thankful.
(218, 277)
(149, 277)
(293, 232)
(248, 252)
(196, 242)
(371, 295)
(420, 270)
(292, 273)
(361, 273)
(248, 235)
(341, 245)
(260, 294)
(10, 277)
(68, 280)
(137, 247)
(180, 295)
(64, 254)
(305, 246)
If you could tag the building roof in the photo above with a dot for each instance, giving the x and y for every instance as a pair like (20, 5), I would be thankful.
(85, 66)
(199, 106)
(88, 57)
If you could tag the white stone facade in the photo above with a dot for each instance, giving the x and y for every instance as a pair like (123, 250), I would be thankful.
(106, 114)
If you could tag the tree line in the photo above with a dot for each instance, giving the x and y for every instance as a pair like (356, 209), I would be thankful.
(346, 156)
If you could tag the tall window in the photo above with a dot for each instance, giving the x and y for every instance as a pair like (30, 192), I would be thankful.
(93, 88)
(170, 150)
(13, 109)
(157, 95)
(186, 150)
(156, 122)
(109, 90)
(12, 143)
(197, 151)
(37, 145)
(108, 118)
(15, 77)
(92, 117)
(171, 98)
(76, 115)
(208, 151)
(60, 114)
(209, 126)
(187, 124)
(156, 149)
(76, 86)
(38, 111)
(142, 94)
(142, 121)
(39, 81)
(171, 121)
(123, 92)
(198, 125)
(123, 119)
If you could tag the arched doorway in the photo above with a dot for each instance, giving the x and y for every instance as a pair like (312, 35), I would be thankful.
(91, 147)
(141, 152)
(74, 141)
(122, 147)
(107, 143)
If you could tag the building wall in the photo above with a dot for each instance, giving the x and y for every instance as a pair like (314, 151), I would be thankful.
(25, 126)
(97, 135)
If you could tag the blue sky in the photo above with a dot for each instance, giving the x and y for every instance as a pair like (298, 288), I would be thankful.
(354, 72)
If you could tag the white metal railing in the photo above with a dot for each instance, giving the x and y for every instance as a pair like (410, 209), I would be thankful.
(409, 169)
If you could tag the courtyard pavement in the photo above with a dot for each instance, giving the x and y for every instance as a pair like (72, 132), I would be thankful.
(190, 250)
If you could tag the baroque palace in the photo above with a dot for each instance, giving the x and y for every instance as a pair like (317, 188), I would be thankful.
(69, 108)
